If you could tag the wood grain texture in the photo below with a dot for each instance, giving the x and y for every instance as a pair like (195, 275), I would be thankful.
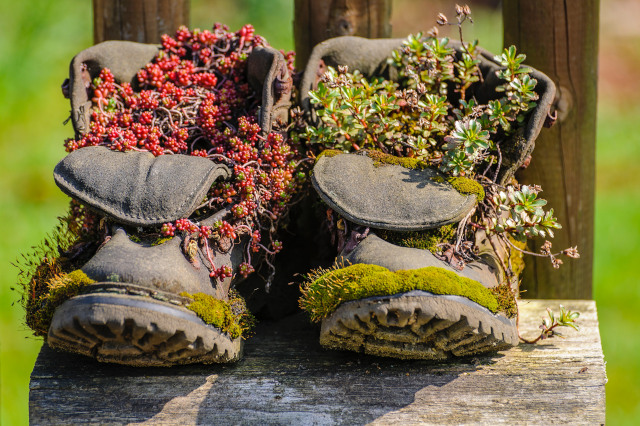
(318, 20)
(143, 21)
(287, 378)
(560, 38)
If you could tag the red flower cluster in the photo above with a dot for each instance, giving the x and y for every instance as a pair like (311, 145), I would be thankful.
(221, 273)
(245, 269)
(194, 99)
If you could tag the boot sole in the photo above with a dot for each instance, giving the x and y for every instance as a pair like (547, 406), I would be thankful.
(138, 331)
(417, 325)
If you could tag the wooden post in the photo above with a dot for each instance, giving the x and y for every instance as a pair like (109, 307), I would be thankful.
(143, 21)
(560, 38)
(318, 20)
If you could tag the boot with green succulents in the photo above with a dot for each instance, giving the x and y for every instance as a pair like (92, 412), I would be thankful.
(417, 144)
(179, 174)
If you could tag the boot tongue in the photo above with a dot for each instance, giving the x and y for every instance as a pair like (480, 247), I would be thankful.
(137, 188)
(396, 197)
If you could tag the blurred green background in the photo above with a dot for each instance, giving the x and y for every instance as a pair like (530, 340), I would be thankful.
(38, 39)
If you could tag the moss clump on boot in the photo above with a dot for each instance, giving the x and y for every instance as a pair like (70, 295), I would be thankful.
(325, 289)
(380, 159)
(134, 238)
(230, 317)
(504, 293)
(463, 185)
(245, 319)
(49, 265)
(161, 241)
(59, 289)
(424, 240)
(329, 153)
(506, 299)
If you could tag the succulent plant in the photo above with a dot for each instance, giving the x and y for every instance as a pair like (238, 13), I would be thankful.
(430, 113)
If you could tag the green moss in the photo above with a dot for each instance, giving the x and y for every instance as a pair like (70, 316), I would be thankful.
(506, 299)
(467, 186)
(381, 159)
(230, 317)
(424, 240)
(504, 293)
(325, 290)
(161, 241)
(42, 264)
(463, 185)
(134, 238)
(59, 289)
(46, 277)
(245, 319)
(329, 153)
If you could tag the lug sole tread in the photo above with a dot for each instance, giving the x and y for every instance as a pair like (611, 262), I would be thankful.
(417, 325)
(135, 331)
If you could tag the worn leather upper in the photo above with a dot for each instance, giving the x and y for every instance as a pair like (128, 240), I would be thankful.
(388, 196)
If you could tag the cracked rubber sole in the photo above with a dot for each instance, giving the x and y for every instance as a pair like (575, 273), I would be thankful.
(417, 325)
(138, 331)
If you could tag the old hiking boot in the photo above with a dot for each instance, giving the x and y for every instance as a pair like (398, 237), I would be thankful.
(402, 301)
(413, 304)
(136, 312)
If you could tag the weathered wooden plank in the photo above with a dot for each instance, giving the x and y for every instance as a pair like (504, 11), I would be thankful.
(287, 378)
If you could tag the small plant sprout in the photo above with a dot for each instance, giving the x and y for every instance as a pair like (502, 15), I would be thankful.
(550, 323)
(526, 218)
(466, 145)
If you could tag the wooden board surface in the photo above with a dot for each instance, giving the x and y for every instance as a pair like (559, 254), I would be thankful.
(287, 378)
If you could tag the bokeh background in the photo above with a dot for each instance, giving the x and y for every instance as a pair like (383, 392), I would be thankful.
(39, 38)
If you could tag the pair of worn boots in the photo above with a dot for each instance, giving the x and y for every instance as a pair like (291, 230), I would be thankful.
(150, 305)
